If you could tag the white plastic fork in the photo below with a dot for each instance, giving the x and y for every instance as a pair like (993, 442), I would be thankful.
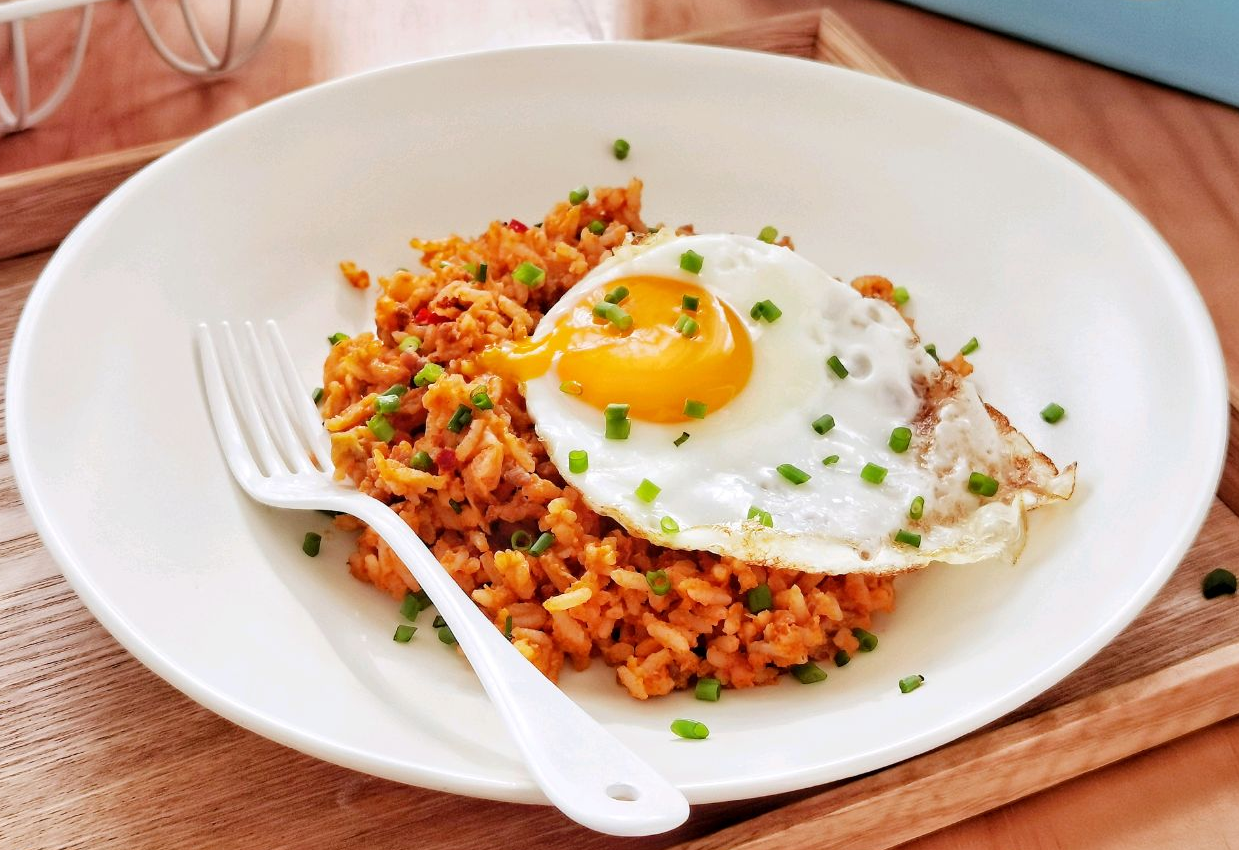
(280, 455)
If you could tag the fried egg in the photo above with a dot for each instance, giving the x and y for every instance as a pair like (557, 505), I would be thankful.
(715, 392)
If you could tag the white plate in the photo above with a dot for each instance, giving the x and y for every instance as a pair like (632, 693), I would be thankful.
(1074, 297)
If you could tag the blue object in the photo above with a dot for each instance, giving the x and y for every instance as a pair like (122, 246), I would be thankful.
(1192, 44)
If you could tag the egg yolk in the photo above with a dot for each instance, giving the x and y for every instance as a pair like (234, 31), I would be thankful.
(651, 366)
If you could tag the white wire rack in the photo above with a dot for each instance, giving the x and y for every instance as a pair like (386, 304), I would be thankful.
(21, 113)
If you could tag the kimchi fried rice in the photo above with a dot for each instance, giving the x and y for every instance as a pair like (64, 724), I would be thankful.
(478, 492)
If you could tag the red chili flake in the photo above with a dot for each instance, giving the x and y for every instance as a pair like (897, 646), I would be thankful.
(425, 317)
(517, 226)
(446, 460)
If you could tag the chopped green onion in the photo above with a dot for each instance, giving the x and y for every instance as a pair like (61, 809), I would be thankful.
(768, 234)
(544, 542)
(908, 538)
(690, 729)
(1219, 582)
(873, 473)
(438, 622)
(687, 326)
(691, 261)
(808, 673)
(310, 544)
(615, 412)
(423, 599)
(669, 525)
(830, 460)
(529, 275)
(411, 606)
(836, 366)
(409, 342)
(404, 634)
(597, 227)
(446, 636)
(822, 424)
(842, 658)
(521, 540)
(762, 516)
(932, 351)
(759, 599)
(571, 387)
(429, 373)
(708, 689)
(982, 484)
(480, 276)
(387, 403)
(900, 439)
(578, 461)
(618, 429)
(460, 419)
(900, 295)
(792, 473)
(690, 303)
(695, 409)
(908, 684)
(617, 295)
(396, 390)
(970, 346)
(868, 640)
(481, 400)
(507, 627)
(917, 510)
(765, 310)
(456, 506)
(337, 338)
(647, 491)
(614, 314)
(1052, 412)
(621, 149)
(381, 428)
(659, 582)
(682, 439)
(471, 269)
(578, 195)
(420, 460)
(317, 395)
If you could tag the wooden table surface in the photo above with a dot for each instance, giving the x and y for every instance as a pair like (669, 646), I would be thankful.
(1174, 155)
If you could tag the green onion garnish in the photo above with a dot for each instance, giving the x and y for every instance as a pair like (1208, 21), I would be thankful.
(471, 269)
(481, 400)
(808, 673)
(647, 491)
(618, 429)
(438, 622)
(507, 627)
(822, 424)
(970, 346)
(617, 295)
(409, 342)
(404, 634)
(690, 303)
(669, 525)
(381, 428)
(659, 582)
(765, 310)
(900, 295)
(396, 390)
(682, 439)
(544, 541)
(456, 506)
(917, 510)
(932, 351)
(480, 277)
(982, 484)
(621, 149)
(336, 338)
(759, 599)
(768, 234)
(829, 460)
(446, 636)
(1052, 412)
(908, 684)
(529, 275)
(690, 729)
(387, 403)
(521, 540)
(695, 409)
(708, 689)
(571, 387)
(578, 461)
(460, 419)
(868, 640)
(761, 516)
(597, 227)
(614, 314)
(578, 195)
(873, 473)
(900, 439)
(420, 460)
(429, 373)
(691, 261)
(908, 538)
(687, 326)
(411, 606)
(792, 473)
(842, 658)
(615, 412)
(310, 544)
(317, 395)
(836, 366)
(1219, 582)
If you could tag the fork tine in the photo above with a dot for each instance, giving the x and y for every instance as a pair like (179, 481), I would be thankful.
(304, 413)
(274, 408)
(243, 397)
(227, 429)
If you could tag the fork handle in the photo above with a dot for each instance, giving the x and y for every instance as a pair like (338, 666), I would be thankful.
(582, 768)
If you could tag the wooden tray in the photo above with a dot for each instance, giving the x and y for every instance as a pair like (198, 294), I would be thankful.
(95, 748)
